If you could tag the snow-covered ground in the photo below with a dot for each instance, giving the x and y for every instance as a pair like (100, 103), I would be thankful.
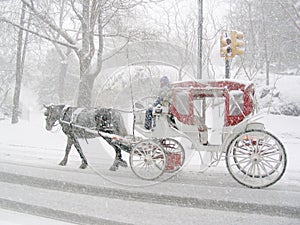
(14, 218)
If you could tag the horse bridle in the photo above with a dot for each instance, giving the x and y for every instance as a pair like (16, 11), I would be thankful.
(48, 115)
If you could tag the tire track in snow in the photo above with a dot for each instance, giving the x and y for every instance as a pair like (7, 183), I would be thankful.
(54, 214)
(163, 199)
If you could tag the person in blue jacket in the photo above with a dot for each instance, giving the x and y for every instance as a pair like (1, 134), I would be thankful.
(164, 88)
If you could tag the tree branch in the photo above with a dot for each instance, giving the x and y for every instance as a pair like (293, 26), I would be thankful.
(38, 34)
(290, 15)
(44, 17)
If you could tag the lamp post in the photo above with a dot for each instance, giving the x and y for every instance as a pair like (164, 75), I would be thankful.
(199, 52)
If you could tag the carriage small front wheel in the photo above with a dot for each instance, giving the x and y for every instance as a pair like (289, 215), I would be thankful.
(256, 158)
(148, 159)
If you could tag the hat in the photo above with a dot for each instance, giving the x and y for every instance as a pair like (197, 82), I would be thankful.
(164, 81)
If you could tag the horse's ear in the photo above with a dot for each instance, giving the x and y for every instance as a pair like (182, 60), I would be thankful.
(47, 108)
(97, 115)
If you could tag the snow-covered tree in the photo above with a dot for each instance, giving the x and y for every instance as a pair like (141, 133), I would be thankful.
(83, 31)
(271, 30)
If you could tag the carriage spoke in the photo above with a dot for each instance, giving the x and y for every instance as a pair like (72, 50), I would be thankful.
(267, 174)
(265, 142)
(272, 147)
(246, 175)
(244, 167)
(271, 153)
(237, 163)
(272, 160)
(140, 163)
(271, 168)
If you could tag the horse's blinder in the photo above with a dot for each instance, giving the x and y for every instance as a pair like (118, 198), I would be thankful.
(50, 119)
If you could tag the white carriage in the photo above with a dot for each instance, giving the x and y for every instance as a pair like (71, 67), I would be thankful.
(254, 157)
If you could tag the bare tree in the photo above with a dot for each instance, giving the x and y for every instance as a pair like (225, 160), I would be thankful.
(21, 53)
(92, 17)
(5, 79)
(63, 52)
(292, 9)
(271, 29)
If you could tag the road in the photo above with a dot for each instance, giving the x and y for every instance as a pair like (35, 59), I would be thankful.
(33, 183)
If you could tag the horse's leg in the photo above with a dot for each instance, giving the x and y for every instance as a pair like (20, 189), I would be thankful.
(67, 151)
(118, 160)
(79, 150)
(122, 162)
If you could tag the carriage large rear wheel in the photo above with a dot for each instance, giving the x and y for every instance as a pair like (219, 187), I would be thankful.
(256, 159)
(148, 159)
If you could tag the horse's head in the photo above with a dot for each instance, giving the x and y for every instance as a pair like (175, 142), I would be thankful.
(52, 113)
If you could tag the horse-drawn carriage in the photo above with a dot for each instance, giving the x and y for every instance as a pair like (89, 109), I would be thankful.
(215, 116)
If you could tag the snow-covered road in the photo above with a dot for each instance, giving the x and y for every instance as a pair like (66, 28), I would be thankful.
(83, 197)
(14, 218)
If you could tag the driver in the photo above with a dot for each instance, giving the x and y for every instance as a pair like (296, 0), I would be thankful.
(162, 99)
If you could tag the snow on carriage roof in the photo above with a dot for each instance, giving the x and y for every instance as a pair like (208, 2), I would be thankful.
(207, 81)
(243, 83)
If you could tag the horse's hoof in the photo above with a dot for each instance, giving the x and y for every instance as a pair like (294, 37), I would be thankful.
(123, 163)
(113, 168)
(62, 164)
(83, 166)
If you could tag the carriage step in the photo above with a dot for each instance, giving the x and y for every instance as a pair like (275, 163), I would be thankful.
(209, 148)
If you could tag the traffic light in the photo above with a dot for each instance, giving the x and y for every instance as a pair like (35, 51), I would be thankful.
(237, 43)
(225, 45)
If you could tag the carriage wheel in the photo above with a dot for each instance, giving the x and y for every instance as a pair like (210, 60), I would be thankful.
(256, 159)
(148, 160)
(175, 153)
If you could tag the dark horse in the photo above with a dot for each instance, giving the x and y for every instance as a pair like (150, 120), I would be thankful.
(73, 120)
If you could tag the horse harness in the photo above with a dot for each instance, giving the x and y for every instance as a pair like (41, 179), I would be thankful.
(102, 119)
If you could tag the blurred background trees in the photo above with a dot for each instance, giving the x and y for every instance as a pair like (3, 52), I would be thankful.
(67, 40)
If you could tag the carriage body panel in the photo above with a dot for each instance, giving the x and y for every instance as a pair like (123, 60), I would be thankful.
(184, 93)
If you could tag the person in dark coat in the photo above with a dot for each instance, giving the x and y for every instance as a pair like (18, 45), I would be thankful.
(161, 99)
